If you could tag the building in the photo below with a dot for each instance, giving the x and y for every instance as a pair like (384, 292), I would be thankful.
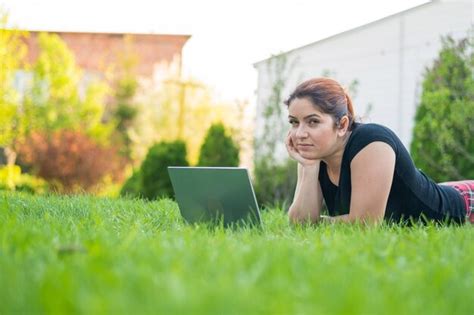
(158, 55)
(386, 57)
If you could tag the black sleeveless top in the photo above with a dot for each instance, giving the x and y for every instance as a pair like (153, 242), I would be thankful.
(412, 195)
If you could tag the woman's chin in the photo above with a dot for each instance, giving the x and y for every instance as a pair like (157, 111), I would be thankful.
(309, 155)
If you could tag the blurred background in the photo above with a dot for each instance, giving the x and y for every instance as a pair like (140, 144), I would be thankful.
(101, 96)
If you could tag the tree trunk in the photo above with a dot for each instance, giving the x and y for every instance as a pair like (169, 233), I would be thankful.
(10, 155)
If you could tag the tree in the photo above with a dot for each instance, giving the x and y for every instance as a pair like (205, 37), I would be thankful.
(125, 89)
(275, 180)
(159, 111)
(12, 57)
(59, 98)
(443, 142)
(218, 148)
(59, 101)
(274, 127)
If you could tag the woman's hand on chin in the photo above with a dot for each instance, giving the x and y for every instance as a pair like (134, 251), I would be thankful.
(295, 155)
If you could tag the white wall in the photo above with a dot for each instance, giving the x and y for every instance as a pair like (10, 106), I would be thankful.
(386, 57)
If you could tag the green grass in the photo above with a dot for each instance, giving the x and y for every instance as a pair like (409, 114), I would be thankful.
(88, 255)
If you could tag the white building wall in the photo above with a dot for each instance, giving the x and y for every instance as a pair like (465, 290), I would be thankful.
(386, 57)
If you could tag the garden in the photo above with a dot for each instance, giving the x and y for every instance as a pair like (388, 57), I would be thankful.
(88, 223)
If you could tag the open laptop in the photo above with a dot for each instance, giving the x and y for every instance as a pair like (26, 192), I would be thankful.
(212, 194)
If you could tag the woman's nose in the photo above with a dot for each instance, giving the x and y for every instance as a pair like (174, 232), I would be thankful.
(301, 132)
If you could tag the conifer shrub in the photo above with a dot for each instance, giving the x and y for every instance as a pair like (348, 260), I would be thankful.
(443, 142)
(155, 180)
(133, 185)
(218, 148)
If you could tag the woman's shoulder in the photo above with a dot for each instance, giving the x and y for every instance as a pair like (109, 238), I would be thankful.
(372, 128)
(364, 134)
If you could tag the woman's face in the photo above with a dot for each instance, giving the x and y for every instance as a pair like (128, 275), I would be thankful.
(313, 132)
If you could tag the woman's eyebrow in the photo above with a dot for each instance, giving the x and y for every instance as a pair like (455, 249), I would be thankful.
(309, 116)
(312, 115)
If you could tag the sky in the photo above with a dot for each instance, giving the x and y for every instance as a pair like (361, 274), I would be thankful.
(227, 37)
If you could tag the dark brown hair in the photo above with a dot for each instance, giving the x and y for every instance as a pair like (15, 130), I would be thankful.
(328, 96)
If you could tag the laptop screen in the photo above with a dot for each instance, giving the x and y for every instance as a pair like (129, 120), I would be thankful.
(207, 194)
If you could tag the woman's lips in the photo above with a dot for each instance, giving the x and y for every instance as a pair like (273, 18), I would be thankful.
(304, 146)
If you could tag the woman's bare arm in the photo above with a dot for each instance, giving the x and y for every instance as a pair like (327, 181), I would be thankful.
(307, 202)
(372, 172)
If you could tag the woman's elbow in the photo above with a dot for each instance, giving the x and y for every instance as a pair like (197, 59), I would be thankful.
(293, 216)
(367, 219)
(298, 217)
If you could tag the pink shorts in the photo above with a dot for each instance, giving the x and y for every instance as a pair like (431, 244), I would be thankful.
(466, 189)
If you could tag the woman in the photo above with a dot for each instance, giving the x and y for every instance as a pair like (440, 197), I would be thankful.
(362, 171)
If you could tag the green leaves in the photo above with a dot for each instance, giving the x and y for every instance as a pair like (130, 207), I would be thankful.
(12, 56)
(443, 142)
(55, 94)
(154, 170)
(218, 148)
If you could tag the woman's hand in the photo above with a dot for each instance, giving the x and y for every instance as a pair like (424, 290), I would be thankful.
(295, 155)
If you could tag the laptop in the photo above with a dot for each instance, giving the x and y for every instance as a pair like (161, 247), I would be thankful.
(215, 194)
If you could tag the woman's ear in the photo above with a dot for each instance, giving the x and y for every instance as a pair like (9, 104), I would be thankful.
(343, 125)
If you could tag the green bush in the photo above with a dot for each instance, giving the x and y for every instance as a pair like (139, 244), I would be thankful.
(443, 145)
(218, 148)
(133, 185)
(11, 178)
(155, 180)
(275, 183)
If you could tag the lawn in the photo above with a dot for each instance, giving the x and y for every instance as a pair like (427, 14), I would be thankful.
(91, 255)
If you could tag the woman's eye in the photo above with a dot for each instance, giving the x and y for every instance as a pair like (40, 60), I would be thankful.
(313, 122)
(293, 122)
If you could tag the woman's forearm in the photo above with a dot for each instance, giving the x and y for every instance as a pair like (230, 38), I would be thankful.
(347, 218)
(307, 201)
(337, 218)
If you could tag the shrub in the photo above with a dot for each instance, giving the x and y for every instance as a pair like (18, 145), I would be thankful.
(275, 183)
(133, 186)
(154, 170)
(218, 148)
(11, 178)
(69, 160)
(443, 145)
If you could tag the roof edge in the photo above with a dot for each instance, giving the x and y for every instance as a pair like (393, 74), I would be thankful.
(357, 28)
(98, 32)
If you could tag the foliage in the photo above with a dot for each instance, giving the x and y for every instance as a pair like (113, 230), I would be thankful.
(443, 142)
(125, 88)
(59, 98)
(12, 123)
(83, 255)
(12, 57)
(133, 185)
(154, 170)
(55, 99)
(275, 183)
(274, 126)
(218, 148)
(11, 178)
(70, 160)
(274, 178)
(159, 112)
